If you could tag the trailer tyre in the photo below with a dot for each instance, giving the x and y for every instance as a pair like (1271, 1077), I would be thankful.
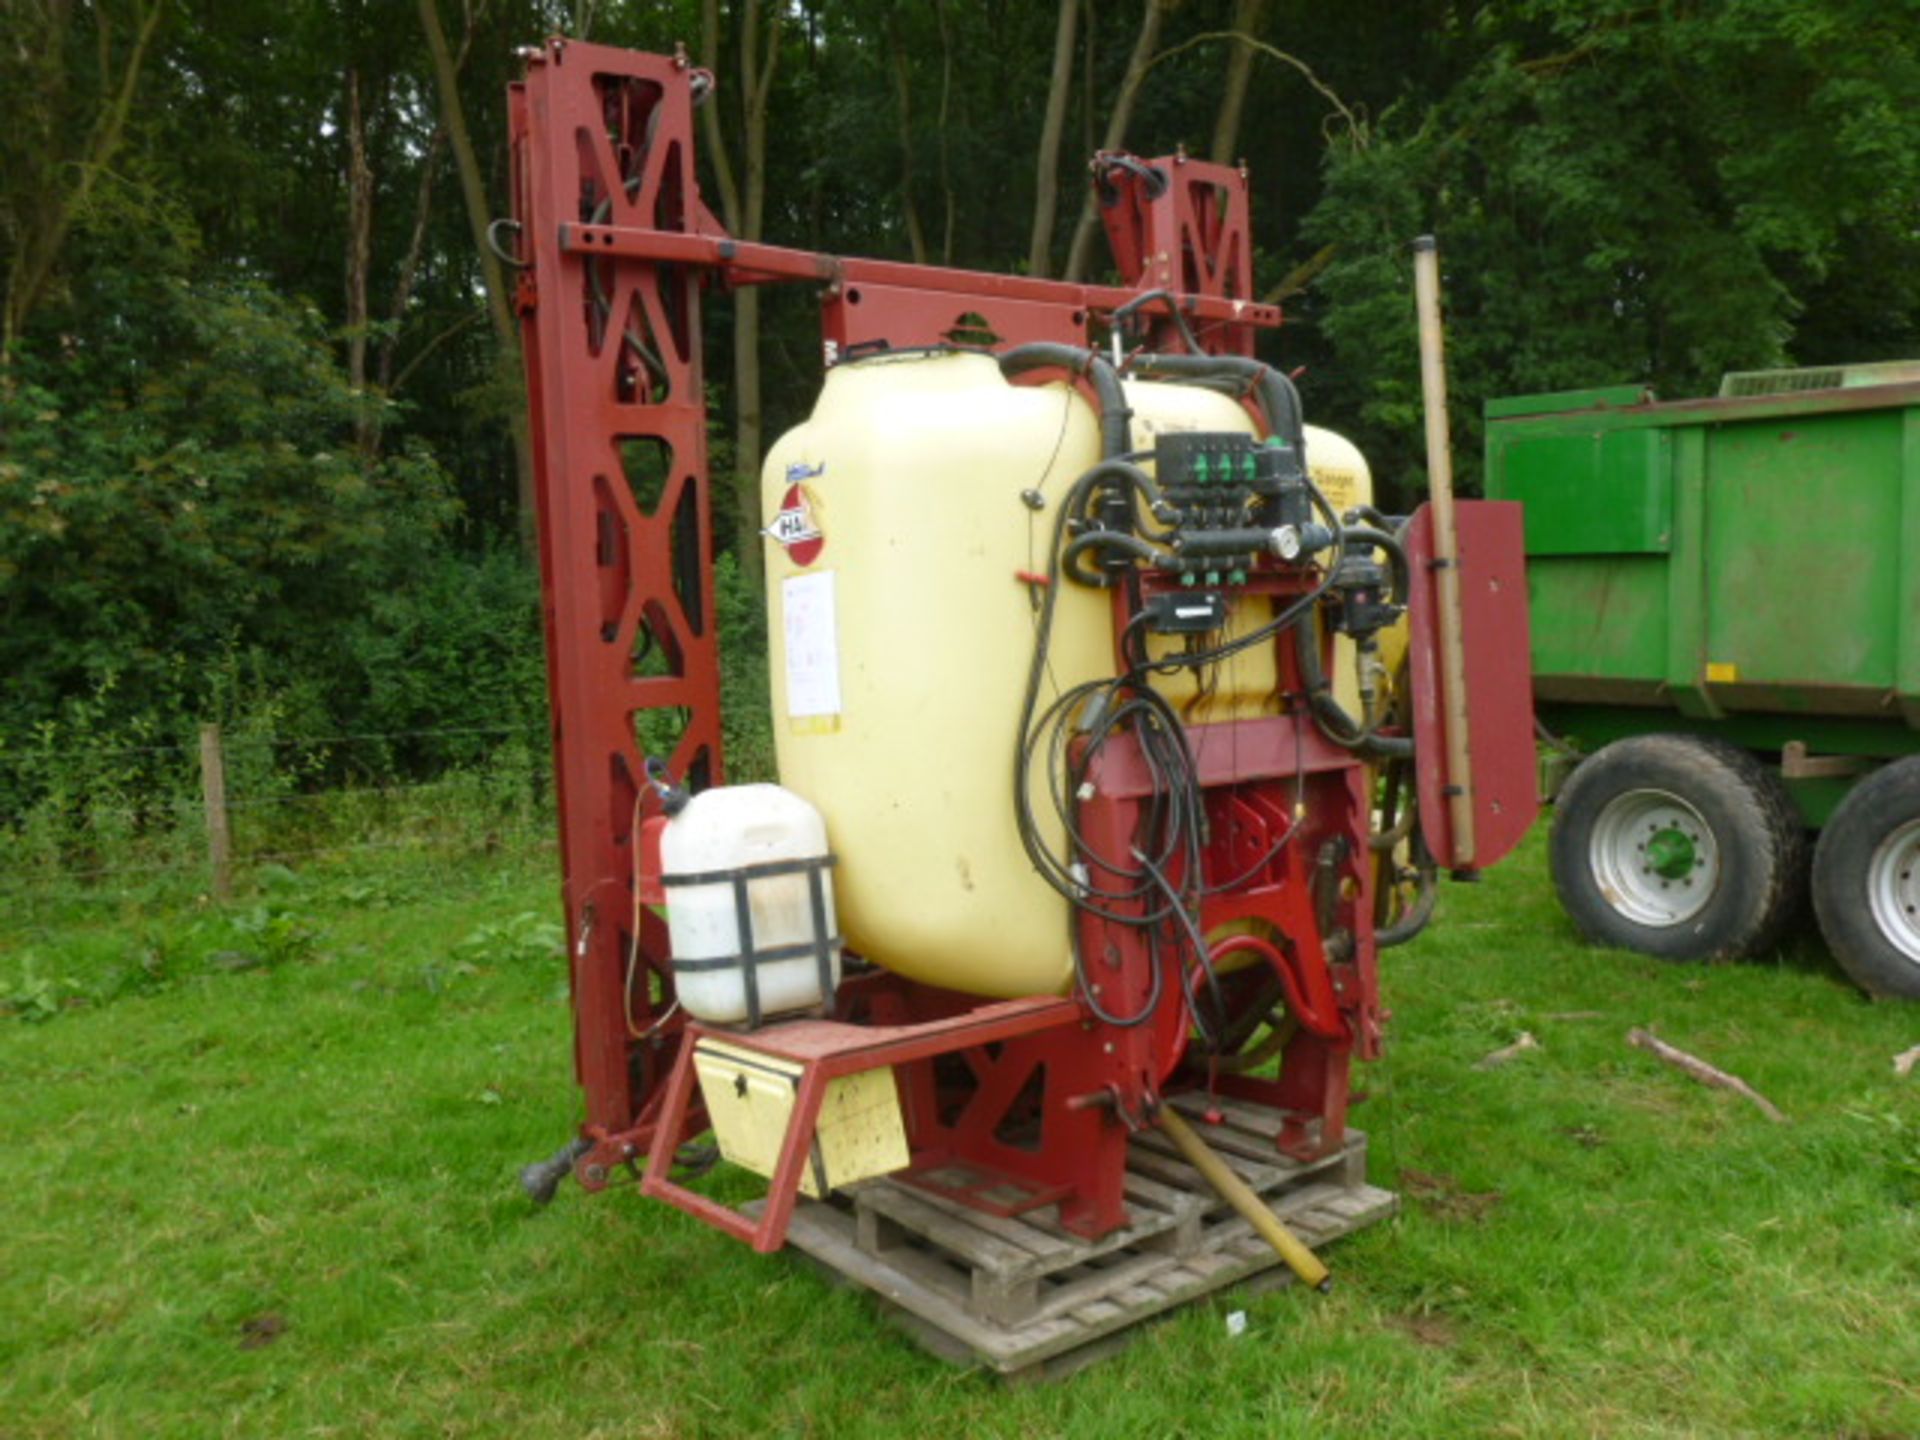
(1677, 846)
(1866, 881)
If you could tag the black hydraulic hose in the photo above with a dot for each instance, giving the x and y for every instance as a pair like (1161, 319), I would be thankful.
(1125, 471)
(1396, 556)
(1416, 915)
(1385, 842)
(1106, 540)
(1375, 518)
(1334, 722)
(1187, 337)
(1108, 474)
(1116, 420)
(1332, 717)
(1084, 892)
(1278, 399)
(1154, 178)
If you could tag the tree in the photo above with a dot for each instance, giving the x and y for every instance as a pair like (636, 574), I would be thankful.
(1046, 185)
(1622, 194)
(743, 205)
(179, 480)
(1152, 12)
(903, 99)
(1621, 191)
(1233, 92)
(480, 213)
(73, 131)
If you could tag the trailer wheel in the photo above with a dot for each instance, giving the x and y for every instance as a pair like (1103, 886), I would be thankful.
(1866, 881)
(1677, 846)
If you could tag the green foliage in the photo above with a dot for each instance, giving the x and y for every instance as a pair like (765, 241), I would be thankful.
(521, 939)
(457, 646)
(191, 529)
(35, 997)
(202, 496)
(1892, 1137)
(271, 932)
(745, 700)
(97, 970)
(1624, 194)
(184, 516)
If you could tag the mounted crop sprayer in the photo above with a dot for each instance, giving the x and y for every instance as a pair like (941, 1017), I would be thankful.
(1097, 796)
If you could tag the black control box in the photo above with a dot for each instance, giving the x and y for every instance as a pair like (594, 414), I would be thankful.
(1185, 612)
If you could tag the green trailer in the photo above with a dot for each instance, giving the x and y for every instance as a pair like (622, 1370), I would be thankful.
(1726, 626)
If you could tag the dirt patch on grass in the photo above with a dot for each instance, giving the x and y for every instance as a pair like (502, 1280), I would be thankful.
(1440, 1195)
(259, 1331)
(1436, 1332)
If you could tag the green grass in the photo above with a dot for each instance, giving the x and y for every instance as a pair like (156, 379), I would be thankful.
(279, 1200)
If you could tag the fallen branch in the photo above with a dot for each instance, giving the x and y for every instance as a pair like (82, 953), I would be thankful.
(1703, 1072)
(1505, 1053)
(1904, 1062)
(1566, 1015)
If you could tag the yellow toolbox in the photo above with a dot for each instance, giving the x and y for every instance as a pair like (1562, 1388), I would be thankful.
(750, 1099)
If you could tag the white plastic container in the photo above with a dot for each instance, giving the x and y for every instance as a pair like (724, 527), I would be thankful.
(771, 843)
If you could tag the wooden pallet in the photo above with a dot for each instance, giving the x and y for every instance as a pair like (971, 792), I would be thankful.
(1024, 1297)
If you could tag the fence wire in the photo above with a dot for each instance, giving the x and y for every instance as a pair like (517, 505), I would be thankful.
(262, 822)
(291, 741)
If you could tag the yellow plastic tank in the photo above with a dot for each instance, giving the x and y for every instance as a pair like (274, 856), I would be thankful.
(901, 631)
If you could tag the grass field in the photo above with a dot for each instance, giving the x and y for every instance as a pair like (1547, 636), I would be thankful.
(257, 1169)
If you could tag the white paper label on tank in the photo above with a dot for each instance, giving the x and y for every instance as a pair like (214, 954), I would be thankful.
(813, 645)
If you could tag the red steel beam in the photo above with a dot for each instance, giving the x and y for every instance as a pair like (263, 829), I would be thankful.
(748, 262)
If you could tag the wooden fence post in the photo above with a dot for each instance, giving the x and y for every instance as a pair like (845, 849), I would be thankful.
(213, 792)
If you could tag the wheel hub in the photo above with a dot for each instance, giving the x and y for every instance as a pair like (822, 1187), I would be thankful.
(1655, 860)
(1893, 889)
(1671, 854)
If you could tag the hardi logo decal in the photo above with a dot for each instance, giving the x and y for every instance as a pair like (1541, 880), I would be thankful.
(795, 526)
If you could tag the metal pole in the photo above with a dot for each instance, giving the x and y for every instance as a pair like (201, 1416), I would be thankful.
(1446, 549)
(213, 794)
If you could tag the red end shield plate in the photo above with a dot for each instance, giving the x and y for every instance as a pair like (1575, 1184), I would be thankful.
(1505, 778)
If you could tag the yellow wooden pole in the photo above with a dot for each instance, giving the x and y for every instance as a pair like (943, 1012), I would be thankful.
(1237, 1193)
(1446, 549)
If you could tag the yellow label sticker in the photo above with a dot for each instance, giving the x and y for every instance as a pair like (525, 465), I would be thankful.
(1341, 487)
(1722, 672)
(814, 724)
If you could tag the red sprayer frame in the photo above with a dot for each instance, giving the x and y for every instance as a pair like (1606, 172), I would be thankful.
(616, 247)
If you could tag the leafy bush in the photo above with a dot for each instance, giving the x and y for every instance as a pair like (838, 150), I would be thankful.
(745, 696)
(456, 649)
(196, 525)
(184, 523)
